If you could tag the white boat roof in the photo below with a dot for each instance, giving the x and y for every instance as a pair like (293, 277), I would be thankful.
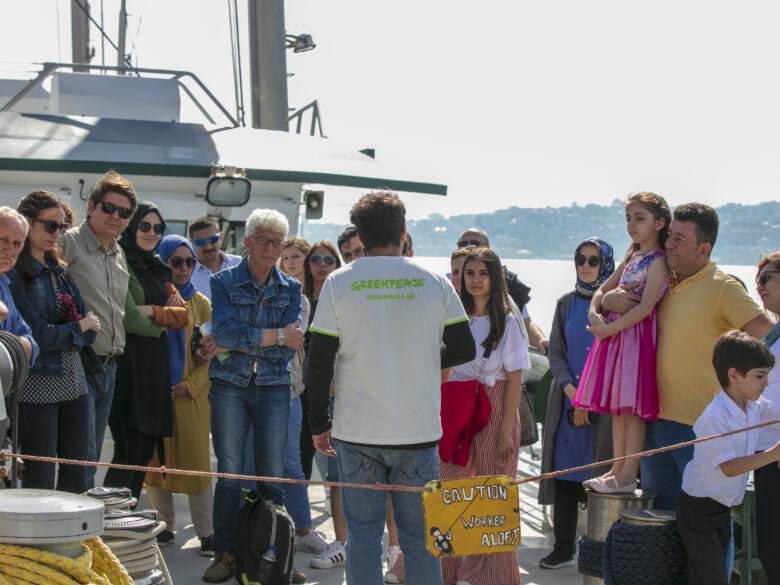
(49, 143)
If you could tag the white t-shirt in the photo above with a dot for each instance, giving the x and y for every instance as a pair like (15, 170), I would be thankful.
(703, 477)
(389, 315)
(510, 355)
(771, 435)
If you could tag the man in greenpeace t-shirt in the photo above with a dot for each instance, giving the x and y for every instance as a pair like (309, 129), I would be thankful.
(386, 318)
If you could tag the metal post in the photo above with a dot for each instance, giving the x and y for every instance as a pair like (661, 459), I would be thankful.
(120, 58)
(79, 32)
(268, 67)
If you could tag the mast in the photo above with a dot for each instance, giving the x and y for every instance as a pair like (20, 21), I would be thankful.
(120, 56)
(79, 32)
(268, 64)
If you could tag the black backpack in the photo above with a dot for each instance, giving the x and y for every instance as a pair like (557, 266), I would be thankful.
(262, 525)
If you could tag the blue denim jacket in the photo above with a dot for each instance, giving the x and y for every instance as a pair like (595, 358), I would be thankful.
(239, 315)
(36, 302)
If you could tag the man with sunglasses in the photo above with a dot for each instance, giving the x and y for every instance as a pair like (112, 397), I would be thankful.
(98, 266)
(207, 239)
(520, 293)
(703, 304)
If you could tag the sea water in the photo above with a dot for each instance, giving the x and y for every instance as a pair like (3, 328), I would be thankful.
(550, 279)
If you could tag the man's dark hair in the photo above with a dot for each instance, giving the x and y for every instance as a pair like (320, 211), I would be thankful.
(348, 233)
(379, 218)
(408, 244)
(738, 350)
(113, 182)
(705, 218)
(202, 223)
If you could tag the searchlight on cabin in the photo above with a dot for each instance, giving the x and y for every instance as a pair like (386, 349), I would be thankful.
(300, 43)
(228, 187)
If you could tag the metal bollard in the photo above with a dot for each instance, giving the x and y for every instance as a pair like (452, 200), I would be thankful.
(604, 510)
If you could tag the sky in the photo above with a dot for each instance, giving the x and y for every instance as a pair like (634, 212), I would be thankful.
(507, 102)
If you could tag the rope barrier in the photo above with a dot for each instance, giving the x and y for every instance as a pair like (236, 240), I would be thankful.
(376, 487)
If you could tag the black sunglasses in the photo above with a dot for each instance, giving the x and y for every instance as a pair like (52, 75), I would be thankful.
(145, 226)
(50, 226)
(178, 261)
(764, 277)
(109, 208)
(469, 243)
(592, 261)
(329, 260)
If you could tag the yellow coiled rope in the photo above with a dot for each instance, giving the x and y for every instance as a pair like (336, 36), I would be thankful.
(97, 565)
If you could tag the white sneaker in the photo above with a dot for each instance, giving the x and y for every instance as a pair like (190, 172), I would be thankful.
(311, 542)
(335, 555)
(391, 555)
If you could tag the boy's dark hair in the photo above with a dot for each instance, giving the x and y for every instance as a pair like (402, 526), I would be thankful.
(379, 218)
(348, 233)
(113, 182)
(705, 218)
(738, 350)
(408, 244)
(202, 223)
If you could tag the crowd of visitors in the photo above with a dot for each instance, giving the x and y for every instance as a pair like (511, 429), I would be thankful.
(281, 360)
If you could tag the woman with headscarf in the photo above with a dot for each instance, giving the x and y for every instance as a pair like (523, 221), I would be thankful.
(141, 413)
(188, 447)
(573, 436)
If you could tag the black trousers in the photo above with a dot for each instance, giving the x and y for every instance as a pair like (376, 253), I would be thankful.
(767, 482)
(705, 528)
(131, 447)
(568, 497)
(55, 430)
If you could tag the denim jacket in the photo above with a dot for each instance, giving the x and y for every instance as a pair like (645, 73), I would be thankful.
(36, 302)
(240, 313)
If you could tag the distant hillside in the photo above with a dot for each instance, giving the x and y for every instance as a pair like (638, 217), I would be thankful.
(746, 231)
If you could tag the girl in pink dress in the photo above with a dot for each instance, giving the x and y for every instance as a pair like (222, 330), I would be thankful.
(619, 374)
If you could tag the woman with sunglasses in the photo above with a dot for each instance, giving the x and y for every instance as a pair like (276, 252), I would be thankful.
(141, 413)
(572, 437)
(188, 447)
(767, 479)
(53, 403)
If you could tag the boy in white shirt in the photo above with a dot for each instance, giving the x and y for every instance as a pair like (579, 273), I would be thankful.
(716, 477)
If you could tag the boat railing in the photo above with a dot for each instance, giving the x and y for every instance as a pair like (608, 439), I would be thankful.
(50, 68)
(316, 119)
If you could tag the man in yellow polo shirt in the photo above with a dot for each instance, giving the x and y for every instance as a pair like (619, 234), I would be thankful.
(703, 304)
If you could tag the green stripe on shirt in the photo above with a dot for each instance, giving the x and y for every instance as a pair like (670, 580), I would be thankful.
(328, 333)
(462, 320)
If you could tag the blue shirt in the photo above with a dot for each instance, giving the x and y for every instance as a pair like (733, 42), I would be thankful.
(14, 323)
(574, 445)
(201, 275)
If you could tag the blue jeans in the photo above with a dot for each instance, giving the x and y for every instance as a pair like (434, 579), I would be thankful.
(296, 496)
(662, 473)
(364, 511)
(100, 394)
(233, 411)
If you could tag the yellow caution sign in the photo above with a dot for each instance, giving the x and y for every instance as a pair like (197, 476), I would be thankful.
(478, 515)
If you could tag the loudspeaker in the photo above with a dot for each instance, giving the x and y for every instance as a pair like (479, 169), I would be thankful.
(315, 201)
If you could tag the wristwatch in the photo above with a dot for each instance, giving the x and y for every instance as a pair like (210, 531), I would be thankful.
(280, 341)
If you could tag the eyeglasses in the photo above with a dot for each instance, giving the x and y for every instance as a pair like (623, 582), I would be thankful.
(178, 262)
(329, 260)
(145, 226)
(261, 241)
(200, 242)
(592, 261)
(50, 226)
(470, 243)
(765, 276)
(110, 208)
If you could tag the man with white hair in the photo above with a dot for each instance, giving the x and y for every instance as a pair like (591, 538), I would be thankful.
(13, 231)
(255, 324)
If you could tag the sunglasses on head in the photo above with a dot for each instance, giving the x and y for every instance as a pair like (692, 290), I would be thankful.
(200, 242)
(469, 243)
(592, 261)
(329, 260)
(764, 277)
(110, 208)
(50, 226)
(178, 262)
(145, 226)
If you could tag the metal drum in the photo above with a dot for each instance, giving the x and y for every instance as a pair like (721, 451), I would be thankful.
(647, 517)
(604, 510)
